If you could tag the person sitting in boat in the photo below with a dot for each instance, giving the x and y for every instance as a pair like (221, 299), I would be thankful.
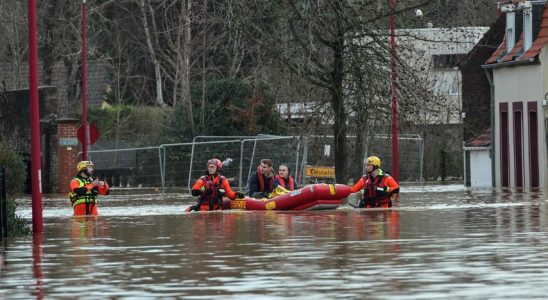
(261, 183)
(379, 188)
(283, 178)
(84, 189)
(211, 188)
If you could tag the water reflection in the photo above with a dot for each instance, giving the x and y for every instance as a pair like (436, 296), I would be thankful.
(37, 265)
(431, 245)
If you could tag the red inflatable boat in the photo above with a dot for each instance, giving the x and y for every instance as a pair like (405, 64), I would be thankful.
(310, 197)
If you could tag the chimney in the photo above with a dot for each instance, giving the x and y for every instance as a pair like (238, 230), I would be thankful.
(527, 9)
(509, 9)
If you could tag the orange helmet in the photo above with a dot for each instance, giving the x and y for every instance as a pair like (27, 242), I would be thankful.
(83, 164)
(373, 160)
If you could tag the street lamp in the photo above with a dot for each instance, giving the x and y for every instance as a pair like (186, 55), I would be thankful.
(395, 166)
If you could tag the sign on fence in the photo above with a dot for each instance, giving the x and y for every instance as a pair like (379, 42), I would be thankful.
(319, 172)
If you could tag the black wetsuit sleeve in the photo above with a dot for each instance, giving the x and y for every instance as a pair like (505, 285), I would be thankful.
(196, 192)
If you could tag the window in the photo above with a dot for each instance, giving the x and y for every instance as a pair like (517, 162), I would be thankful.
(445, 61)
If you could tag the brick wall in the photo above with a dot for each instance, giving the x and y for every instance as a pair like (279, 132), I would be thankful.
(67, 152)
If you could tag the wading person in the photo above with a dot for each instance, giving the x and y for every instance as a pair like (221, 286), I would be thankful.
(378, 186)
(284, 178)
(84, 190)
(261, 182)
(211, 188)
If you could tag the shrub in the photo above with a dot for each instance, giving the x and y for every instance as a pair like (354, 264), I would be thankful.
(15, 184)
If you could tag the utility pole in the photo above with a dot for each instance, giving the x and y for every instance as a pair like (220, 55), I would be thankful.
(85, 130)
(36, 162)
(395, 162)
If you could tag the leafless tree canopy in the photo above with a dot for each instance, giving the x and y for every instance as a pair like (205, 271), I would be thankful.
(334, 54)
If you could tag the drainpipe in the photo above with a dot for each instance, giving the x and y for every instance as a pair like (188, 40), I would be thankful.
(489, 75)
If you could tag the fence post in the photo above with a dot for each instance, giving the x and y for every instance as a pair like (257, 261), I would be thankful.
(3, 205)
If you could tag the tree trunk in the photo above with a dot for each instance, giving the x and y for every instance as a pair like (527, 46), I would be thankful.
(337, 103)
(155, 62)
(185, 62)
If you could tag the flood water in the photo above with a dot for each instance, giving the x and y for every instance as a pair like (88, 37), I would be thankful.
(436, 243)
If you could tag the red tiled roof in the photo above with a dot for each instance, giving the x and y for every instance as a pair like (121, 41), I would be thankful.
(532, 52)
(482, 140)
(498, 53)
(510, 56)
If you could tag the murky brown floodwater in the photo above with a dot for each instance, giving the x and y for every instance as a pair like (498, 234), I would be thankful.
(455, 244)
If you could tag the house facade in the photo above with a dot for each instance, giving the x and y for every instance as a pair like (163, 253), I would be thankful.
(518, 73)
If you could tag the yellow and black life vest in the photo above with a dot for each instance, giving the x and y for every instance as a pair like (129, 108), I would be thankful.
(89, 197)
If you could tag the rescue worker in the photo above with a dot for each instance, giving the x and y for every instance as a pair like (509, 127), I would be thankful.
(261, 182)
(211, 188)
(379, 188)
(283, 178)
(85, 188)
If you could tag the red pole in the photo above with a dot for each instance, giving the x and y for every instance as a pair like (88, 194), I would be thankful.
(84, 85)
(395, 162)
(36, 162)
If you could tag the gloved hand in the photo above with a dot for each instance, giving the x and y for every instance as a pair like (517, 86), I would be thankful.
(240, 195)
(361, 204)
(221, 193)
(382, 191)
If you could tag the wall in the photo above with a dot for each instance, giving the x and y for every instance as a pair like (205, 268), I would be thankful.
(519, 84)
(480, 168)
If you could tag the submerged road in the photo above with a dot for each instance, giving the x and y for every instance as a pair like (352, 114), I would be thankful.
(437, 242)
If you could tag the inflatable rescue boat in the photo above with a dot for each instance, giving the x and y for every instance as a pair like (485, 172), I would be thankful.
(310, 197)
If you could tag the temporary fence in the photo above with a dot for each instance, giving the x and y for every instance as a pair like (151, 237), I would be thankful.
(243, 152)
(129, 167)
(319, 155)
(177, 166)
(410, 150)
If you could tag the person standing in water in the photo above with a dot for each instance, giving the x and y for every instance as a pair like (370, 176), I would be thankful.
(378, 187)
(84, 189)
(211, 188)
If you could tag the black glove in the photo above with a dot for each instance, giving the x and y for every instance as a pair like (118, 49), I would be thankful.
(221, 193)
(382, 191)
(240, 195)
(361, 204)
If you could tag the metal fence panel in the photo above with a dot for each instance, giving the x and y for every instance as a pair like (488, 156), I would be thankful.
(130, 167)
(179, 165)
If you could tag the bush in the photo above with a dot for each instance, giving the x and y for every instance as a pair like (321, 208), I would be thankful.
(15, 170)
(15, 184)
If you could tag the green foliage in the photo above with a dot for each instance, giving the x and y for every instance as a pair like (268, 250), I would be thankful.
(15, 184)
(16, 225)
(15, 169)
(232, 107)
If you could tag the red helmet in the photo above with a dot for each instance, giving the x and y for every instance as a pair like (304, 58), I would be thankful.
(215, 162)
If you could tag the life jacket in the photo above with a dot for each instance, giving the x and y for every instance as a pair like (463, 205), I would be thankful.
(89, 197)
(262, 181)
(291, 184)
(210, 200)
(370, 197)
